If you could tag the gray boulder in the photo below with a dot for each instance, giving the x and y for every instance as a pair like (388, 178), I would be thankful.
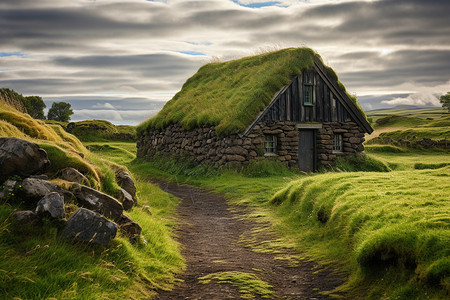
(126, 199)
(97, 201)
(73, 175)
(125, 181)
(34, 189)
(90, 227)
(20, 157)
(51, 205)
(129, 227)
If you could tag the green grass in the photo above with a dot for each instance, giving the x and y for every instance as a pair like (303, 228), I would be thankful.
(100, 131)
(434, 133)
(65, 271)
(249, 284)
(37, 264)
(406, 159)
(230, 95)
(387, 232)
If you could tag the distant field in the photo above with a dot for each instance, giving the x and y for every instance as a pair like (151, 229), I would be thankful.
(415, 113)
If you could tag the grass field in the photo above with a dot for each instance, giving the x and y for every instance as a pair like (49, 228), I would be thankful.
(388, 232)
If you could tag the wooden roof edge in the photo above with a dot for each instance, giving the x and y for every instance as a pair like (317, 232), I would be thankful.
(343, 97)
(274, 99)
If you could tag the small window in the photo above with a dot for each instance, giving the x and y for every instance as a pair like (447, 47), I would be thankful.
(270, 144)
(308, 94)
(337, 143)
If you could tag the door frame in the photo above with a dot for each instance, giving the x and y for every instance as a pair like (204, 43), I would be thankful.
(314, 128)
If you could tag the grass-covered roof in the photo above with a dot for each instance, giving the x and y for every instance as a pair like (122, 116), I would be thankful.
(231, 94)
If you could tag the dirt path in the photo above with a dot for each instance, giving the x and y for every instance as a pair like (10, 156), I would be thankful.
(209, 233)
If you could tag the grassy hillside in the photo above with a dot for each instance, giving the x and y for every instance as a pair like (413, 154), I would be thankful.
(35, 263)
(389, 233)
(231, 94)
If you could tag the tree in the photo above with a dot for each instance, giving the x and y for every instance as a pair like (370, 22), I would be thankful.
(60, 111)
(445, 100)
(35, 106)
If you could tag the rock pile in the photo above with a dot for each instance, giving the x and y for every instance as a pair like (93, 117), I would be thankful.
(100, 215)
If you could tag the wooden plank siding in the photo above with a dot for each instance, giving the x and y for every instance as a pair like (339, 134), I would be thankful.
(288, 105)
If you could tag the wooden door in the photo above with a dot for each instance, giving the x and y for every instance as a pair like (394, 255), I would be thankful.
(307, 150)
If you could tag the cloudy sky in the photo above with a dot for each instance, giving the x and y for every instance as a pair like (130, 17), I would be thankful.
(121, 60)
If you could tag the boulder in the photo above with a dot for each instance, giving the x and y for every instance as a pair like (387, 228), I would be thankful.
(72, 175)
(125, 181)
(97, 201)
(51, 205)
(24, 217)
(90, 227)
(126, 199)
(20, 157)
(129, 227)
(34, 189)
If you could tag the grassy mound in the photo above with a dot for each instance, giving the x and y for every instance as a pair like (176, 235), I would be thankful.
(391, 230)
(35, 263)
(101, 130)
(231, 94)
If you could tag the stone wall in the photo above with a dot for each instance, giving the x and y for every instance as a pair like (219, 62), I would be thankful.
(204, 146)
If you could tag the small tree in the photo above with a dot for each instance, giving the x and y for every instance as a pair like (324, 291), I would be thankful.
(445, 100)
(35, 106)
(60, 111)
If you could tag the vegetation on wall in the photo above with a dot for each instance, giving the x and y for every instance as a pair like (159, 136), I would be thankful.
(230, 95)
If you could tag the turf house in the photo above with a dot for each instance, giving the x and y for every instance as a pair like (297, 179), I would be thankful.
(284, 105)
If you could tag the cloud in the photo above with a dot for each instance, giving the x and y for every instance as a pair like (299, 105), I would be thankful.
(87, 51)
(104, 105)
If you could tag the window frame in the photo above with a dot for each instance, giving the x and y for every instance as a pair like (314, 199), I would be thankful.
(338, 143)
(273, 143)
(308, 87)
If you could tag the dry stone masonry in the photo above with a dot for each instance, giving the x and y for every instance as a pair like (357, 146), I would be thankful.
(204, 146)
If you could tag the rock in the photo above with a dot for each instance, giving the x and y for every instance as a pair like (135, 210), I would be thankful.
(51, 205)
(90, 227)
(24, 217)
(20, 157)
(41, 176)
(8, 189)
(125, 181)
(131, 229)
(97, 201)
(147, 209)
(73, 175)
(34, 189)
(126, 199)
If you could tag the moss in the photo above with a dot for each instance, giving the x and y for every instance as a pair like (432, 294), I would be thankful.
(230, 95)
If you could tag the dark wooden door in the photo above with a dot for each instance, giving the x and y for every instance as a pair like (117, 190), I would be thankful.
(307, 151)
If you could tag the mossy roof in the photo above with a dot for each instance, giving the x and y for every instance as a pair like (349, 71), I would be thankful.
(230, 95)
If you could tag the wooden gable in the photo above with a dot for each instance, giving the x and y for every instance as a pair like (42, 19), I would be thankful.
(322, 102)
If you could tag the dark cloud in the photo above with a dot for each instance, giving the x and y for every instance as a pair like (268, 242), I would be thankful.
(133, 47)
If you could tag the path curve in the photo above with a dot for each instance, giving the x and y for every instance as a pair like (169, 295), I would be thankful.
(209, 233)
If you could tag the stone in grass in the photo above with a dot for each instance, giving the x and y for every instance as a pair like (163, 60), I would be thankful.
(126, 182)
(97, 201)
(89, 227)
(24, 217)
(51, 205)
(131, 229)
(34, 189)
(126, 199)
(72, 175)
(20, 157)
